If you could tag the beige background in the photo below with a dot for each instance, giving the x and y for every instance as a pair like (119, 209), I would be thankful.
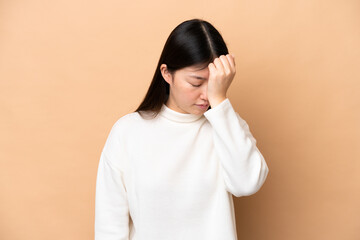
(70, 69)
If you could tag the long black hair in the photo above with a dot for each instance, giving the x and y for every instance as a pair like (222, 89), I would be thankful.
(194, 42)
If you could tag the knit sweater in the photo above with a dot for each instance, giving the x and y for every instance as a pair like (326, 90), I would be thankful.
(173, 177)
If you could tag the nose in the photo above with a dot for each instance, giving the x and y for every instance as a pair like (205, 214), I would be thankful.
(204, 94)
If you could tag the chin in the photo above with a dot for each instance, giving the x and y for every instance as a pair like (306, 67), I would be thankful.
(199, 112)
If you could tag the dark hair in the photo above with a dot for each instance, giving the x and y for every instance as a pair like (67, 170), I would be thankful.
(194, 42)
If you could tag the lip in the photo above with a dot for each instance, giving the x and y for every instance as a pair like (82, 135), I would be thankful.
(202, 106)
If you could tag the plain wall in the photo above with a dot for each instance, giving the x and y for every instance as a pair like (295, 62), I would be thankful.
(70, 69)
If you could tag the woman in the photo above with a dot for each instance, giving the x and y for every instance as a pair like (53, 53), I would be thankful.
(168, 170)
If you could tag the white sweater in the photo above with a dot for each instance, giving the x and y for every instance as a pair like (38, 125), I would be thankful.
(173, 177)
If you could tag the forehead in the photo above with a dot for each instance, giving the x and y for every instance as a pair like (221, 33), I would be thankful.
(200, 72)
(196, 68)
(196, 71)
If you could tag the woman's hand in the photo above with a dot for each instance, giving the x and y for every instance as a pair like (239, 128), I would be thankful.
(221, 73)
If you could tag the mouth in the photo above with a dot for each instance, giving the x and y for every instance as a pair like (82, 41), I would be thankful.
(202, 106)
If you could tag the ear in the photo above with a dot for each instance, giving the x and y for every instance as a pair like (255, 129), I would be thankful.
(166, 74)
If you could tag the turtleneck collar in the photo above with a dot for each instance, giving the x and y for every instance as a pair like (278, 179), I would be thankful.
(177, 116)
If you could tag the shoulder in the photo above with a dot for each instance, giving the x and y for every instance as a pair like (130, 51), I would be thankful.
(133, 124)
(127, 120)
(133, 116)
(121, 128)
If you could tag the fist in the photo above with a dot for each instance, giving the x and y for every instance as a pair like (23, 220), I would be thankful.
(221, 73)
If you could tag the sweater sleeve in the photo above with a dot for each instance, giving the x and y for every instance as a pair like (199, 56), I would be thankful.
(111, 206)
(243, 166)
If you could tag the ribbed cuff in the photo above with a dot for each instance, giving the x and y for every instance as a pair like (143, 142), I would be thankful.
(219, 110)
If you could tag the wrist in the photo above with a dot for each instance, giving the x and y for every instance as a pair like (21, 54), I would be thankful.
(216, 101)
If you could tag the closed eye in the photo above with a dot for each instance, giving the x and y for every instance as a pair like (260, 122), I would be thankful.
(195, 85)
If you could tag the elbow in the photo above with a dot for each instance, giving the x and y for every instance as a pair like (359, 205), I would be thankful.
(251, 187)
(237, 192)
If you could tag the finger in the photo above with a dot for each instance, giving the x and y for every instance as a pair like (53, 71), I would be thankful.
(218, 64)
(211, 67)
(226, 64)
(231, 60)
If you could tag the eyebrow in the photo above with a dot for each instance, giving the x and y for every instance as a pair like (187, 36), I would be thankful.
(197, 77)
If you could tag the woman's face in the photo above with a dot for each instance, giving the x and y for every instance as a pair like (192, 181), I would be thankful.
(188, 89)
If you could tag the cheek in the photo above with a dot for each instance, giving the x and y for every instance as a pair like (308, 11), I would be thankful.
(187, 93)
(191, 95)
(187, 89)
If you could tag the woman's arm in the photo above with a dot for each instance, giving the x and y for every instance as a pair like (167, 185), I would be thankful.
(243, 166)
(111, 204)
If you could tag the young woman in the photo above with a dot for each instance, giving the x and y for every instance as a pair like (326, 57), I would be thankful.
(168, 170)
